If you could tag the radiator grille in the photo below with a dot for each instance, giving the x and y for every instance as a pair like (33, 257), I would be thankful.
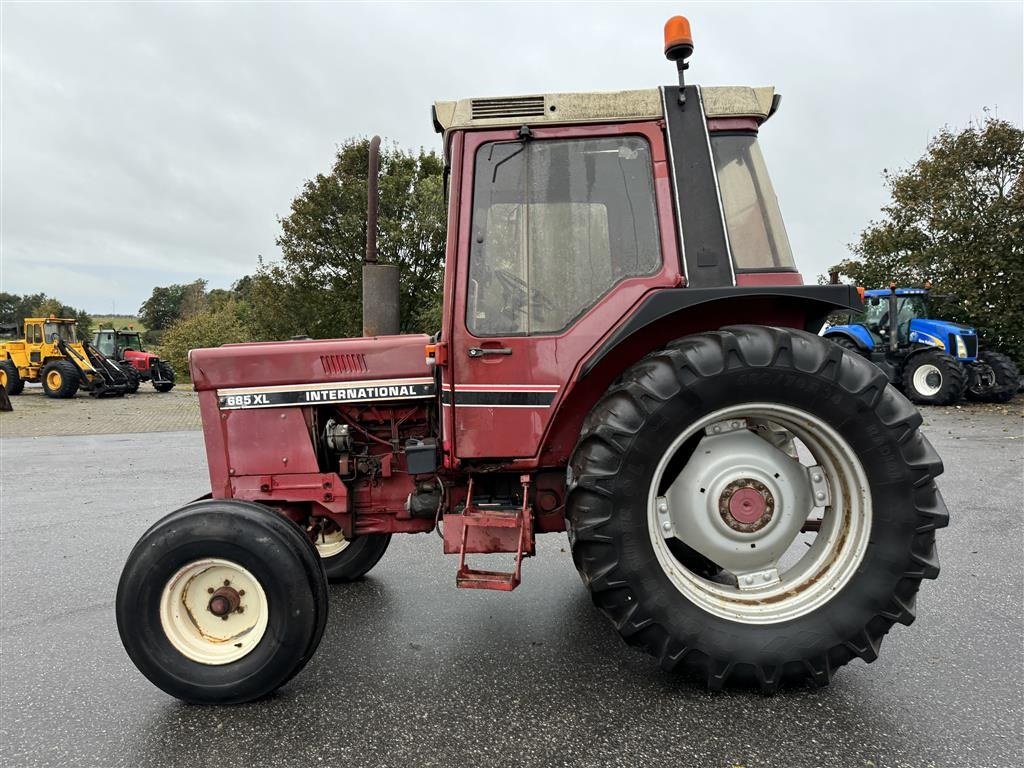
(971, 342)
(522, 106)
(339, 365)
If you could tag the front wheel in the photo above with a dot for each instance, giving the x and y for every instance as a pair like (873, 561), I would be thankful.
(60, 379)
(166, 375)
(784, 461)
(132, 377)
(933, 378)
(993, 378)
(222, 601)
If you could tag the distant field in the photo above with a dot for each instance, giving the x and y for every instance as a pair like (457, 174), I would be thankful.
(117, 321)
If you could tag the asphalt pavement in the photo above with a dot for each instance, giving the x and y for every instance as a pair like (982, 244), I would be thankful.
(413, 672)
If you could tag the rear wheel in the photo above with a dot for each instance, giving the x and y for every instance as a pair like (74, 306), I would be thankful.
(933, 378)
(346, 560)
(133, 378)
(10, 378)
(60, 379)
(167, 374)
(222, 601)
(785, 462)
(993, 378)
(846, 343)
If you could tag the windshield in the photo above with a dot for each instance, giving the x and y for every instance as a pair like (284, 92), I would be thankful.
(130, 341)
(757, 235)
(65, 331)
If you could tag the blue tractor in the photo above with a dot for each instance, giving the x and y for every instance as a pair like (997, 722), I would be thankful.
(935, 362)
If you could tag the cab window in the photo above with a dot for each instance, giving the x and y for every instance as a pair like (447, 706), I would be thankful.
(34, 334)
(106, 344)
(556, 224)
(757, 236)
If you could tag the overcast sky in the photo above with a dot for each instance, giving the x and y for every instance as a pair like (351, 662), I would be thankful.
(149, 144)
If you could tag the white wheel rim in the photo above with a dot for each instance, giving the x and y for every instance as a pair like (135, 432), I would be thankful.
(331, 544)
(921, 376)
(199, 634)
(828, 563)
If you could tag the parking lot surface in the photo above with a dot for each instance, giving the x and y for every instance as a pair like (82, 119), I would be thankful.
(412, 672)
(36, 415)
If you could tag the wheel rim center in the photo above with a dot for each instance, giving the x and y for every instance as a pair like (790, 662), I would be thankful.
(224, 601)
(746, 505)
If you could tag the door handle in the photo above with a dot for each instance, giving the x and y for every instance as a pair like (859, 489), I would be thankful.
(481, 351)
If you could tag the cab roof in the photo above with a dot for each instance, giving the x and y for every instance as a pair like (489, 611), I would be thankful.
(594, 107)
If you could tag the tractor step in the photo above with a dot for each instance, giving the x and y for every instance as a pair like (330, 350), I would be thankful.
(489, 530)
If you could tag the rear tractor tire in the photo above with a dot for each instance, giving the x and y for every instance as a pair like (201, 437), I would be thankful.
(346, 560)
(784, 460)
(993, 378)
(167, 373)
(222, 601)
(846, 343)
(60, 379)
(132, 376)
(934, 378)
(11, 378)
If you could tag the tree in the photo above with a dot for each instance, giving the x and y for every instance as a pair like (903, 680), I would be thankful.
(14, 309)
(957, 218)
(169, 303)
(209, 328)
(317, 286)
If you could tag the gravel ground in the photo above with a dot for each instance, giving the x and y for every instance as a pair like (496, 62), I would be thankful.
(36, 415)
(412, 672)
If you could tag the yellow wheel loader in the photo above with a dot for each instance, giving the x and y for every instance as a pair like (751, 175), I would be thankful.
(50, 353)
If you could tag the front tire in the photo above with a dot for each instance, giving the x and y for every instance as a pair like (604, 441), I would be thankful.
(166, 373)
(60, 379)
(933, 378)
(774, 394)
(993, 379)
(222, 601)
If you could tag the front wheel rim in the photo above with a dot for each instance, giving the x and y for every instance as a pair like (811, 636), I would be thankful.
(53, 379)
(761, 495)
(214, 611)
(928, 380)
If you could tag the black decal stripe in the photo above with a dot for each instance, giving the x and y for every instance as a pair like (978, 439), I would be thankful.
(498, 399)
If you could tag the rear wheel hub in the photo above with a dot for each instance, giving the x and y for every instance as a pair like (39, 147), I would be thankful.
(746, 505)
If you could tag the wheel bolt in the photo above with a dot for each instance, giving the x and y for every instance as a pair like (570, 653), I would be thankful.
(820, 496)
(666, 526)
(227, 583)
(240, 609)
(241, 592)
(209, 590)
(223, 618)
(816, 478)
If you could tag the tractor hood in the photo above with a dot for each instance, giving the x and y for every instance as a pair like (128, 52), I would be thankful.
(313, 361)
(928, 331)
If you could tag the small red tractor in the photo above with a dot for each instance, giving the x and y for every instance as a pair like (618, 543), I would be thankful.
(125, 347)
(627, 353)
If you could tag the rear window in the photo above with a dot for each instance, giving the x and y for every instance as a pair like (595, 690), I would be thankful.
(757, 236)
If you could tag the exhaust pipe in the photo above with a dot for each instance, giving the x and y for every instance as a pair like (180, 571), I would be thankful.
(380, 281)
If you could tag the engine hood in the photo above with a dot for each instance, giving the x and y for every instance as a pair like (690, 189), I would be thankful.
(312, 361)
(939, 329)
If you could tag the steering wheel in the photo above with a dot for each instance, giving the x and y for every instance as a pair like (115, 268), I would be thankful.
(528, 296)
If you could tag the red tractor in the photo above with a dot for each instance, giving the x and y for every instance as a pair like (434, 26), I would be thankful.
(628, 354)
(125, 346)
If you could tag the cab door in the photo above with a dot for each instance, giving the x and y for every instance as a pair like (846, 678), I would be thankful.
(559, 235)
(34, 341)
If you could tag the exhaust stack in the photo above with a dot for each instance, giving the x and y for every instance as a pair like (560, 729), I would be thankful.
(380, 281)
